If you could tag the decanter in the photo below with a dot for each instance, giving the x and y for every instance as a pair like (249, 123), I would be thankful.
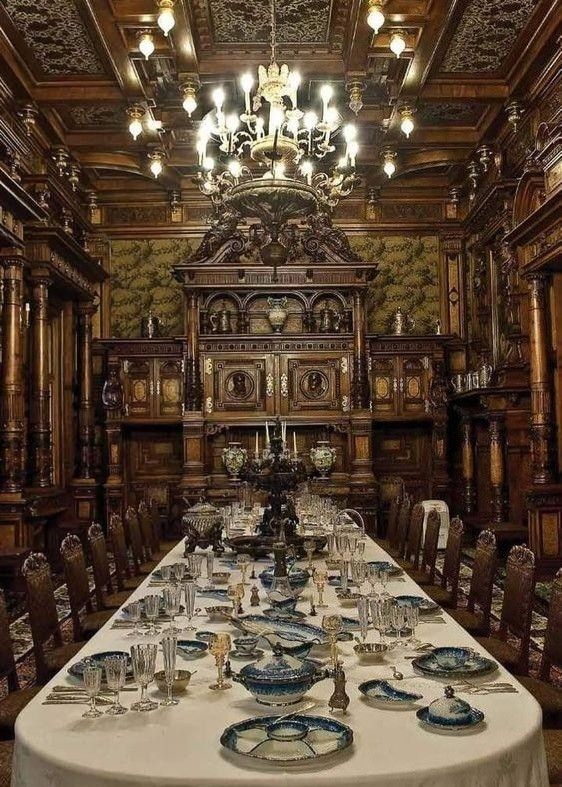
(280, 592)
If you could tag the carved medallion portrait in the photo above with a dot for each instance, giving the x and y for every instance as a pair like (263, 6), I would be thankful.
(314, 384)
(239, 385)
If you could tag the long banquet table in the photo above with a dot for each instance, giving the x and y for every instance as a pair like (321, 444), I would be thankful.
(55, 747)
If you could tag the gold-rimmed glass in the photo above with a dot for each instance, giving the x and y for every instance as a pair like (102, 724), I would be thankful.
(319, 577)
(219, 647)
(333, 626)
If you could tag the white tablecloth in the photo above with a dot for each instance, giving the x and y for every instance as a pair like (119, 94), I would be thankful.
(443, 508)
(55, 747)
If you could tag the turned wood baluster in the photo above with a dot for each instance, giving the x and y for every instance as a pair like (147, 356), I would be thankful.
(542, 432)
(12, 423)
(86, 404)
(40, 409)
(467, 465)
(192, 373)
(497, 468)
(360, 388)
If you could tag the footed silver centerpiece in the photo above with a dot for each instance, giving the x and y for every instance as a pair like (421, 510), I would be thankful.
(202, 526)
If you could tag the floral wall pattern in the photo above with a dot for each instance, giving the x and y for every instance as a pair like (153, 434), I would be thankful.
(141, 281)
(408, 278)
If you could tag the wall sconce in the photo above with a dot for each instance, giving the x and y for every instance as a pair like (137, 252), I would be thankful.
(485, 156)
(61, 157)
(28, 114)
(514, 111)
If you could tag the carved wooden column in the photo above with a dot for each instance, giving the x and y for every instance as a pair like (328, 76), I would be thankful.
(112, 399)
(12, 423)
(497, 468)
(40, 405)
(542, 431)
(84, 483)
(468, 490)
(360, 388)
(193, 478)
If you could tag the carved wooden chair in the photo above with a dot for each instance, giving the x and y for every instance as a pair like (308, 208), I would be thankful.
(446, 594)
(85, 621)
(151, 551)
(123, 571)
(17, 698)
(517, 608)
(548, 696)
(476, 617)
(160, 543)
(425, 574)
(43, 619)
(142, 566)
(398, 542)
(392, 524)
(412, 549)
(106, 595)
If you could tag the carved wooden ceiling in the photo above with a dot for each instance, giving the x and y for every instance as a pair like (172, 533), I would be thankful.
(78, 61)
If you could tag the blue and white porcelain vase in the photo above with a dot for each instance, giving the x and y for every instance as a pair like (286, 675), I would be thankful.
(323, 457)
(234, 458)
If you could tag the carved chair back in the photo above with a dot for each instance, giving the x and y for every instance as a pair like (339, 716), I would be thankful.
(393, 512)
(135, 539)
(413, 542)
(41, 607)
(116, 533)
(552, 653)
(452, 561)
(77, 583)
(7, 660)
(430, 542)
(100, 563)
(483, 573)
(147, 535)
(519, 593)
(155, 520)
(399, 542)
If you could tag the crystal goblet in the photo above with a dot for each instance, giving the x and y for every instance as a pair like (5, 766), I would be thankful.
(172, 598)
(169, 650)
(92, 683)
(115, 674)
(151, 611)
(190, 591)
(144, 663)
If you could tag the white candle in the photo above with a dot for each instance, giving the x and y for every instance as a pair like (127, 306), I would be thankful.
(257, 449)
(295, 443)
(266, 434)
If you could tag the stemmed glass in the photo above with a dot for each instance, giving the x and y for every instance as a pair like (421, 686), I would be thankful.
(152, 610)
(397, 620)
(235, 593)
(363, 613)
(190, 591)
(359, 573)
(166, 572)
(169, 650)
(333, 625)
(380, 613)
(309, 546)
(219, 647)
(134, 611)
(243, 561)
(115, 674)
(319, 577)
(178, 571)
(373, 577)
(383, 577)
(412, 614)
(92, 683)
(343, 574)
(172, 598)
(194, 562)
(144, 664)
(210, 569)
(360, 549)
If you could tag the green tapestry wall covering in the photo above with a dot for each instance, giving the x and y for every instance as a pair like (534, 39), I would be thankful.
(141, 281)
(408, 278)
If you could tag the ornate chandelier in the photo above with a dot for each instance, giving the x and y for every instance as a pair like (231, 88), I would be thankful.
(276, 162)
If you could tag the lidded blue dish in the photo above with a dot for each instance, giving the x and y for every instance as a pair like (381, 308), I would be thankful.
(449, 710)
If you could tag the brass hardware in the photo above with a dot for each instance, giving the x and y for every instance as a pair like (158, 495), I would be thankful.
(209, 404)
(126, 366)
(151, 387)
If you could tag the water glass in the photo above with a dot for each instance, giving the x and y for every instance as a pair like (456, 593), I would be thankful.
(397, 620)
(169, 650)
(412, 615)
(194, 561)
(172, 598)
(134, 611)
(152, 610)
(363, 614)
(380, 614)
(92, 683)
(144, 664)
(178, 570)
(190, 591)
(166, 572)
(343, 574)
(115, 675)
(383, 577)
(210, 568)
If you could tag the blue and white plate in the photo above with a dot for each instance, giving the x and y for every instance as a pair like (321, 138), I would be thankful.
(474, 665)
(205, 636)
(476, 717)
(383, 692)
(296, 740)
(423, 604)
(299, 632)
(97, 660)
(216, 593)
(191, 648)
(276, 613)
(253, 656)
(385, 565)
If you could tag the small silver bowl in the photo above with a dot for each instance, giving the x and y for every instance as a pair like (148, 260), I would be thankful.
(218, 612)
(370, 651)
(181, 681)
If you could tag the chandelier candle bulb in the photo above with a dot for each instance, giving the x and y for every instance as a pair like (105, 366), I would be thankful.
(146, 44)
(257, 448)
(295, 444)
(247, 83)
(267, 434)
(326, 94)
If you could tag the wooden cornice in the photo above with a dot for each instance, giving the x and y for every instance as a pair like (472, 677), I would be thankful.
(46, 244)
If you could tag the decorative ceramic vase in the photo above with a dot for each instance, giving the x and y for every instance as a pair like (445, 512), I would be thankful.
(402, 322)
(150, 326)
(277, 314)
(485, 375)
(234, 458)
(323, 457)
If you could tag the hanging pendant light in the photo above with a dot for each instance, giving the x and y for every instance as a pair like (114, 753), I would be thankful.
(146, 43)
(189, 93)
(375, 16)
(166, 19)
(135, 113)
(407, 122)
(397, 43)
(156, 162)
(389, 162)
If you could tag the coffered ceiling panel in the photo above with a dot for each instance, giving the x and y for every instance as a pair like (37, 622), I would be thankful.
(94, 116)
(298, 21)
(450, 114)
(485, 35)
(56, 35)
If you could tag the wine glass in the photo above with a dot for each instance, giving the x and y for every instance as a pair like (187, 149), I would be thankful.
(92, 683)
(219, 647)
(115, 674)
(383, 577)
(363, 613)
(169, 650)
(380, 615)
(343, 574)
(144, 664)
(134, 611)
(397, 620)
(358, 573)
(151, 611)
(360, 549)
(190, 591)
(172, 598)
(178, 571)
(309, 546)
(243, 561)
(373, 577)
(412, 615)
(319, 577)
(333, 625)
(210, 568)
